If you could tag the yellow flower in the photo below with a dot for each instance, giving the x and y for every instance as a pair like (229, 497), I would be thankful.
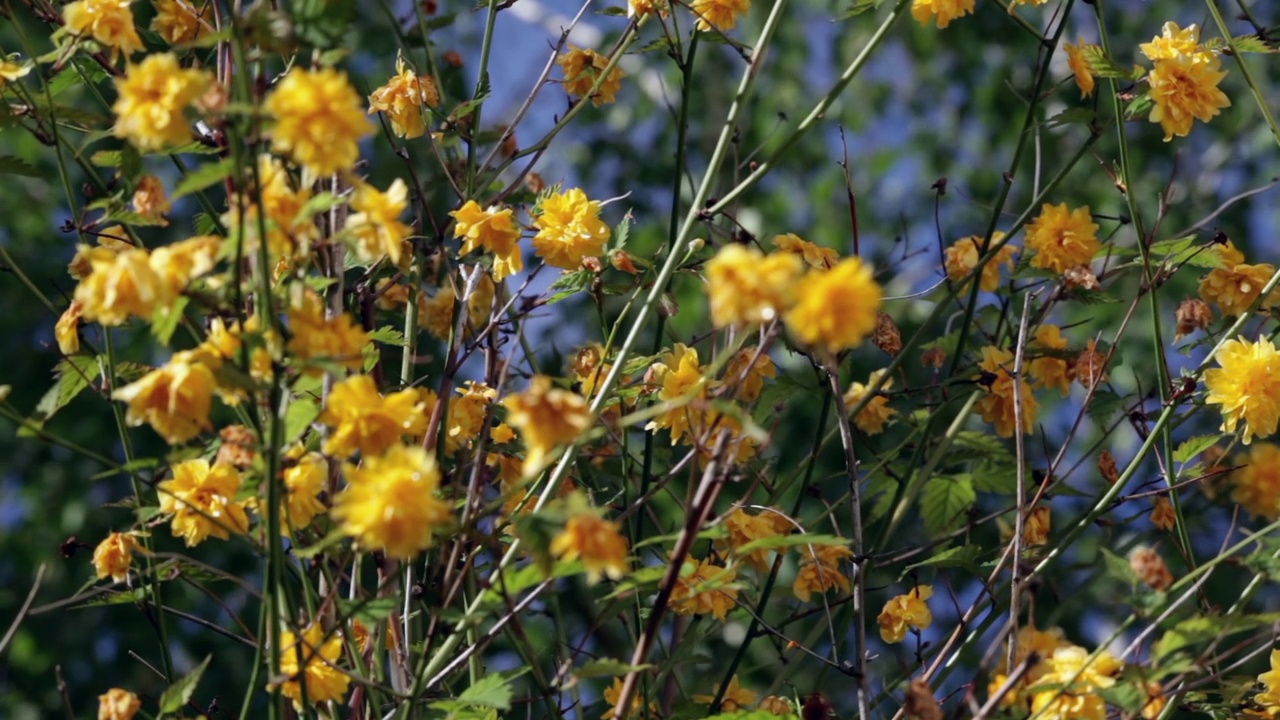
(1043, 643)
(151, 99)
(962, 257)
(466, 414)
(1047, 370)
(120, 284)
(943, 10)
(683, 383)
(338, 340)
(1080, 68)
(376, 225)
(905, 611)
(303, 484)
(177, 22)
(546, 417)
(362, 419)
(1172, 42)
(493, 230)
(67, 330)
(114, 556)
(110, 22)
(1247, 386)
(735, 697)
(1062, 239)
(596, 542)
(569, 229)
(746, 286)
(118, 704)
(390, 502)
(1075, 682)
(837, 308)
(174, 399)
(721, 15)
(1035, 529)
(179, 263)
(815, 256)
(1257, 484)
(402, 99)
(748, 380)
(743, 528)
(1234, 288)
(290, 232)
(997, 406)
(613, 694)
(639, 8)
(876, 414)
(1184, 89)
(318, 120)
(309, 666)
(779, 706)
(435, 313)
(1269, 698)
(704, 587)
(11, 69)
(202, 501)
(820, 570)
(581, 67)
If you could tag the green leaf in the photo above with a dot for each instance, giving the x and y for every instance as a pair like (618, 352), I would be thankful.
(388, 335)
(622, 233)
(1186, 250)
(996, 476)
(71, 377)
(569, 284)
(607, 667)
(945, 502)
(1193, 447)
(786, 541)
(1253, 44)
(962, 556)
(180, 692)
(1101, 65)
(298, 417)
(858, 7)
(14, 165)
(491, 691)
(202, 177)
(370, 612)
(1196, 630)
(1118, 568)
(1125, 696)
(1072, 116)
(165, 319)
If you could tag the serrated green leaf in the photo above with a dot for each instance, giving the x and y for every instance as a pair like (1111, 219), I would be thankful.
(1101, 65)
(388, 335)
(205, 224)
(71, 376)
(14, 165)
(1072, 116)
(1193, 447)
(179, 693)
(1125, 696)
(1118, 568)
(1196, 630)
(371, 611)
(607, 667)
(962, 556)
(132, 595)
(298, 417)
(996, 476)
(165, 319)
(946, 501)
(1253, 44)
(786, 541)
(622, 233)
(202, 177)
(858, 7)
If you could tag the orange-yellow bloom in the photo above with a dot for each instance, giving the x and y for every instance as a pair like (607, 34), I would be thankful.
(303, 484)
(402, 100)
(1247, 386)
(1184, 89)
(202, 501)
(746, 286)
(110, 22)
(815, 256)
(749, 380)
(998, 406)
(721, 15)
(581, 68)
(315, 337)
(1075, 682)
(944, 11)
(596, 542)
(362, 419)
(820, 570)
(152, 98)
(735, 697)
(1257, 484)
(569, 229)
(704, 587)
(1269, 698)
(67, 330)
(390, 502)
(837, 309)
(114, 556)
(546, 417)
(1047, 370)
(492, 230)
(962, 257)
(318, 120)
(1234, 287)
(1062, 239)
(177, 22)
(375, 221)
(309, 664)
(1035, 529)
(682, 382)
(876, 414)
(174, 399)
(118, 704)
(744, 528)
(1078, 62)
(905, 611)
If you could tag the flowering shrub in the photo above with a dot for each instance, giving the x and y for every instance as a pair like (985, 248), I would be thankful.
(399, 412)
